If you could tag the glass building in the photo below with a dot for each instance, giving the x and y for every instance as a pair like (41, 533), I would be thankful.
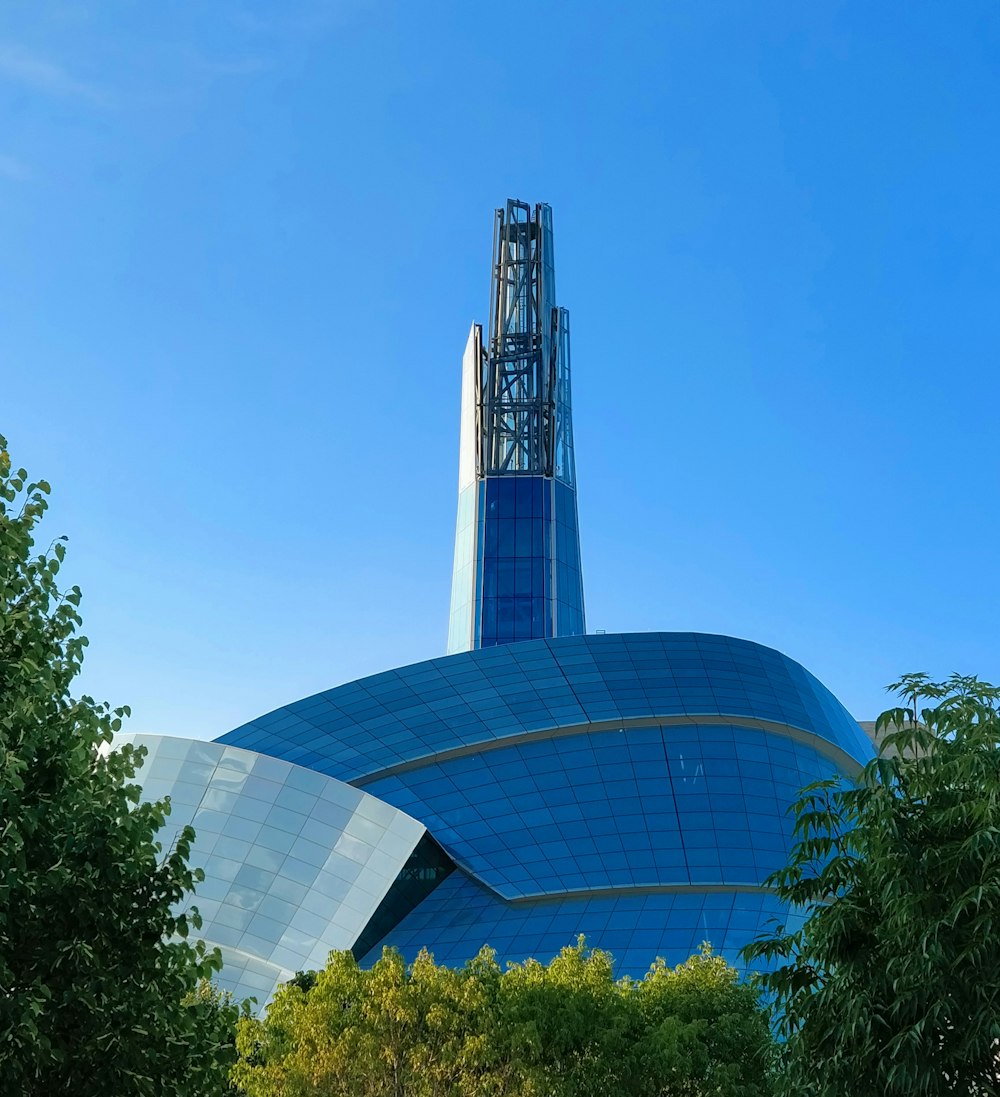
(296, 863)
(517, 544)
(536, 782)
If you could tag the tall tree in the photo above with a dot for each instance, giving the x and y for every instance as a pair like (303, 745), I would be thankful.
(699, 1021)
(391, 1031)
(562, 1029)
(892, 984)
(568, 1026)
(94, 964)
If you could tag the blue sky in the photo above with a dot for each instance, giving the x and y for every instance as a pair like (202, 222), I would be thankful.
(242, 244)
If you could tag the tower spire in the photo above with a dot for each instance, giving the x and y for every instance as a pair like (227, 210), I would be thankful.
(517, 548)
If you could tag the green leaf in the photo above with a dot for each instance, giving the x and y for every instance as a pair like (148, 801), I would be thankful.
(97, 997)
(890, 985)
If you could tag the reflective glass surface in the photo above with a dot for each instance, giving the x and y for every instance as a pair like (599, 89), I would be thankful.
(462, 622)
(630, 787)
(517, 563)
(637, 807)
(569, 577)
(426, 867)
(516, 555)
(565, 463)
(517, 546)
(355, 731)
(295, 863)
(460, 916)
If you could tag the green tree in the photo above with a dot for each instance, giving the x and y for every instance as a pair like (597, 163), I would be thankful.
(392, 1030)
(892, 984)
(94, 964)
(562, 1029)
(703, 1030)
(567, 1024)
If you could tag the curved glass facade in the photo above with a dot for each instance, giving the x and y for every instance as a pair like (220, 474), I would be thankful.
(462, 915)
(636, 807)
(295, 863)
(360, 730)
(634, 788)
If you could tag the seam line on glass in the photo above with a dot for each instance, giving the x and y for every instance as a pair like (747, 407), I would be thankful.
(836, 754)
(632, 889)
(255, 956)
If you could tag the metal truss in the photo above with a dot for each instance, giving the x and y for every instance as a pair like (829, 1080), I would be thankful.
(517, 402)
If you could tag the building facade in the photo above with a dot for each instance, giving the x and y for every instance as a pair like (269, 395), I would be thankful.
(517, 573)
(535, 783)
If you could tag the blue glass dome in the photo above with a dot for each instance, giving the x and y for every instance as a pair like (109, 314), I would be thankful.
(634, 788)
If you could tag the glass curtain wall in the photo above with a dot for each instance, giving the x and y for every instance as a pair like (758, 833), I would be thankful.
(517, 547)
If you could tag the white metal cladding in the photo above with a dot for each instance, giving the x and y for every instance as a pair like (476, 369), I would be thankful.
(295, 862)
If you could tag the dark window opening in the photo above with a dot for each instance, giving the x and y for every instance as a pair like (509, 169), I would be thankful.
(427, 866)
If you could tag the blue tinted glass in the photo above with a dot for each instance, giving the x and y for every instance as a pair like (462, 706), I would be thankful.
(460, 916)
(506, 580)
(523, 487)
(678, 805)
(505, 487)
(505, 538)
(491, 529)
(523, 528)
(594, 787)
(539, 538)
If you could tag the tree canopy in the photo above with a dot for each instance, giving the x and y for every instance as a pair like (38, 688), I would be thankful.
(98, 983)
(892, 984)
(562, 1029)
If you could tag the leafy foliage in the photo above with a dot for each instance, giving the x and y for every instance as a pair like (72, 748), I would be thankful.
(892, 985)
(565, 1029)
(94, 961)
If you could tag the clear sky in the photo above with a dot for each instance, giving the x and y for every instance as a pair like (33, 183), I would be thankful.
(241, 244)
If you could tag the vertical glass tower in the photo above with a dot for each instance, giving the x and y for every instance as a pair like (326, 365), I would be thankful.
(517, 569)
(630, 787)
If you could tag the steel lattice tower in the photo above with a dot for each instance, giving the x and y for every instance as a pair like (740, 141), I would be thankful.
(517, 548)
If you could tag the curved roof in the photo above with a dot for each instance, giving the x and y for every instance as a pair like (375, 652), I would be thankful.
(464, 703)
(295, 863)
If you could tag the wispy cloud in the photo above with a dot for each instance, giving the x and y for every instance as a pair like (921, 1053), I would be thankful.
(12, 168)
(20, 66)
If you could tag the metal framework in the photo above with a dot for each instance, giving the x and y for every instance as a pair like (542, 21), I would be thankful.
(517, 399)
(517, 569)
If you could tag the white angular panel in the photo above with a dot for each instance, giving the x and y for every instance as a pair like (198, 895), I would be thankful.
(295, 862)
